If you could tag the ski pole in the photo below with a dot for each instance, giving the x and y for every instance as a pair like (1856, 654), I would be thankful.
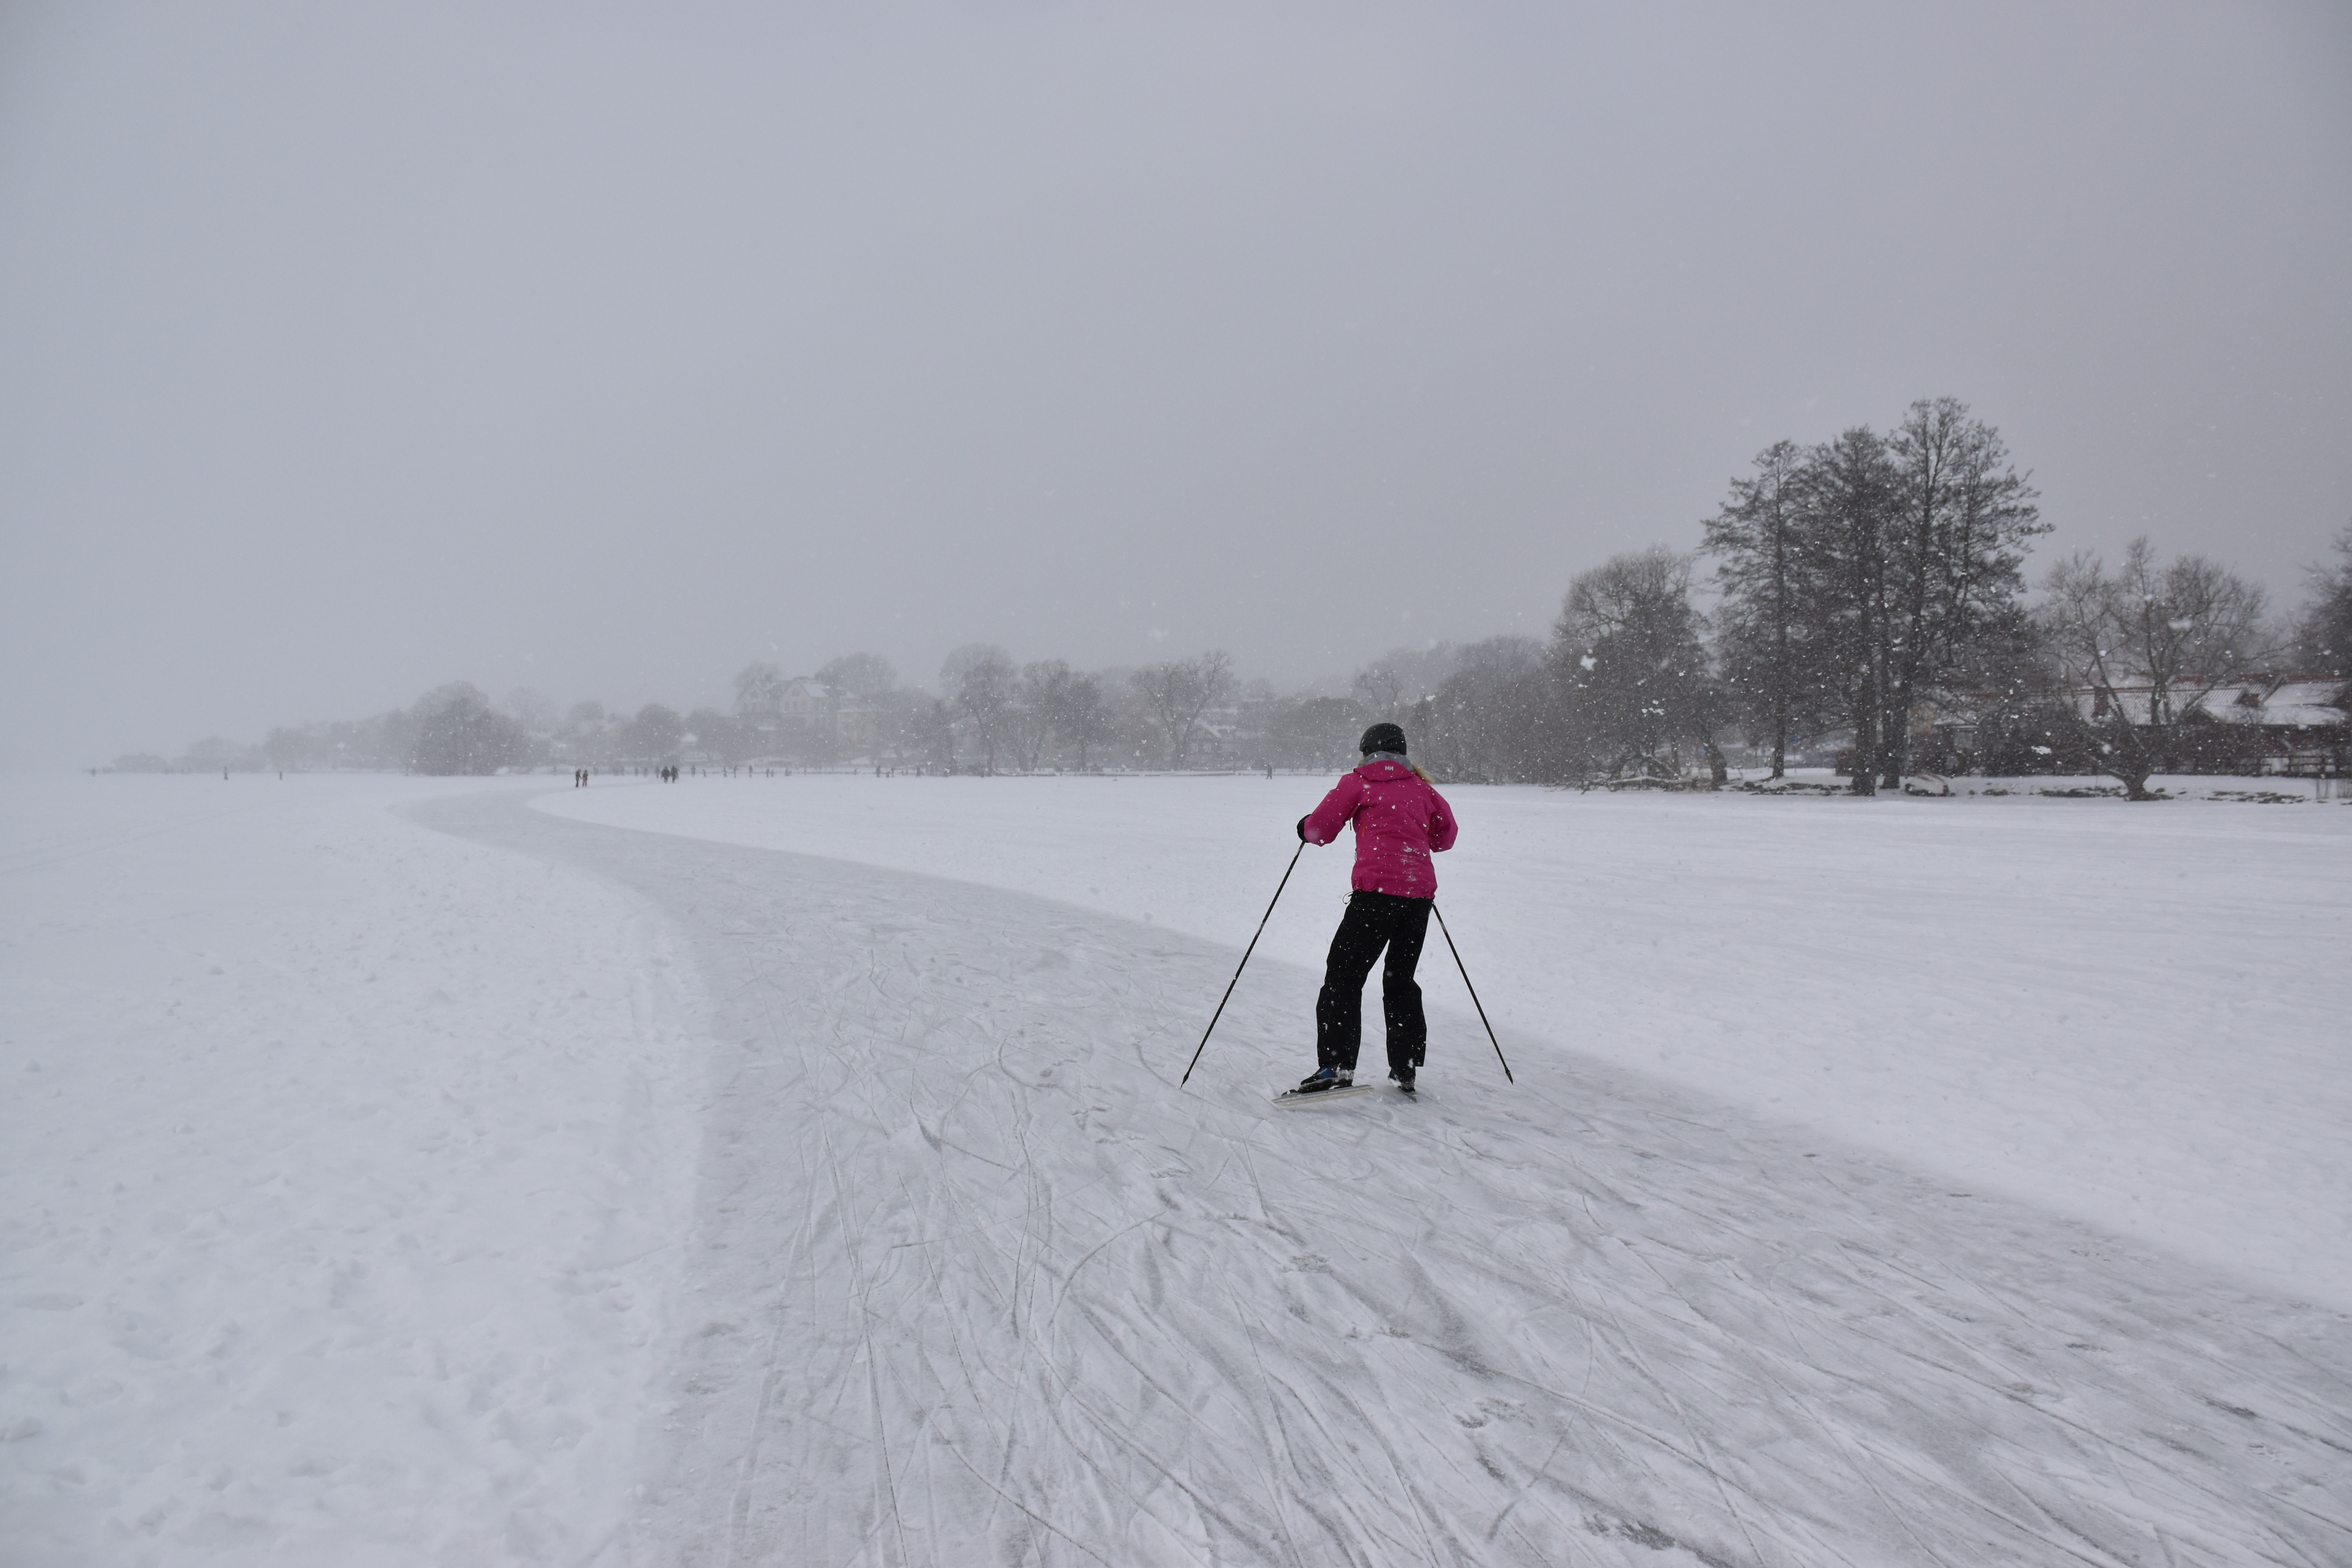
(1474, 992)
(1237, 980)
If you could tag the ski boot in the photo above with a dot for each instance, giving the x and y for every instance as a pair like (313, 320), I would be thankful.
(1323, 1078)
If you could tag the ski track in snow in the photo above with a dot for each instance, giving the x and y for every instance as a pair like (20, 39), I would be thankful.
(976, 1282)
(2118, 1012)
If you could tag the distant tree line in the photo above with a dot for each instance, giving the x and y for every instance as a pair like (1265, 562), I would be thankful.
(1868, 600)
(989, 715)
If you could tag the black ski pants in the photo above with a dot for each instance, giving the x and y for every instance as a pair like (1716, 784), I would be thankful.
(1374, 921)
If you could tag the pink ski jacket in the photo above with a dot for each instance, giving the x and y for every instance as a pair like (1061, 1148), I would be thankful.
(1401, 822)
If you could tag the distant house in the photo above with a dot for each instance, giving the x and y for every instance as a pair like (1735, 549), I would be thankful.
(2249, 724)
(803, 718)
(2253, 724)
(1988, 732)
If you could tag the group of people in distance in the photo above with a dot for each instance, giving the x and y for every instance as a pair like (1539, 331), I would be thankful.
(667, 774)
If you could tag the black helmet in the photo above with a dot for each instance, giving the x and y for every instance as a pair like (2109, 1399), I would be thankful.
(1382, 738)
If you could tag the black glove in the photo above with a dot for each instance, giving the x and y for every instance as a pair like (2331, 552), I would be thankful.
(1302, 830)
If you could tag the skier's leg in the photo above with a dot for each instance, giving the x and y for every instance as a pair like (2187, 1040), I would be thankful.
(1408, 1028)
(1339, 1008)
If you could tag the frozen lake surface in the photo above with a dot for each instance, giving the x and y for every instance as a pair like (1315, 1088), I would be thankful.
(791, 1171)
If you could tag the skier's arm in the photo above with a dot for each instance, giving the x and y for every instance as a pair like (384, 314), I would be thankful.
(1323, 824)
(1443, 828)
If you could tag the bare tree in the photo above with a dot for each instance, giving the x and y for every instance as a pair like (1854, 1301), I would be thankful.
(865, 678)
(1857, 575)
(533, 709)
(933, 730)
(1850, 493)
(1772, 649)
(1959, 517)
(655, 732)
(1178, 692)
(2143, 646)
(2324, 639)
(457, 731)
(863, 713)
(1039, 696)
(1301, 731)
(1392, 684)
(1379, 687)
(1630, 667)
(979, 680)
(1083, 717)
(901, 726)
(715, 734)
(1491, 721)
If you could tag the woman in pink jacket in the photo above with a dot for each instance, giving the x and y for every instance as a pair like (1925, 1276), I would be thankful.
(1400, 821)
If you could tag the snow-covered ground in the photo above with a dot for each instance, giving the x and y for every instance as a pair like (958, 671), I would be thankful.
(346, 1166)
(803, 1180)
(2133, 1013)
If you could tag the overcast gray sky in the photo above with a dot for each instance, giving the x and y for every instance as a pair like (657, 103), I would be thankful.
(348, 350)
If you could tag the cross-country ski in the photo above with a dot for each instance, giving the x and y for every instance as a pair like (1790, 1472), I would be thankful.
(1294, 1097)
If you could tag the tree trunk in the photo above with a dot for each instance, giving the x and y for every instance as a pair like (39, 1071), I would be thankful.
(1909, 656)
(1895, 728)
(2129, 758)
(1869, 711)
(1780, 678)
(1868, 544)
(1865, 748)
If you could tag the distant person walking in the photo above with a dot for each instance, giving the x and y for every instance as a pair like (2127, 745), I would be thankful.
(1400, 821)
